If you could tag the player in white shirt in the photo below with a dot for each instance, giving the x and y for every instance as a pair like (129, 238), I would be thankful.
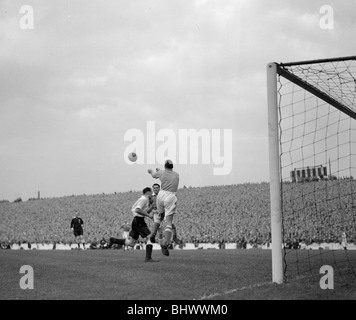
(167, 199)
(140, 210)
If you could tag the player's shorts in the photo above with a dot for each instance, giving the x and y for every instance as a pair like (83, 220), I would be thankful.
(78, 232)
(166, 202)
(139, 228)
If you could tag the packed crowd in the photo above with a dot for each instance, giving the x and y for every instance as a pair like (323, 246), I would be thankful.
(216, 214)
(320, 211)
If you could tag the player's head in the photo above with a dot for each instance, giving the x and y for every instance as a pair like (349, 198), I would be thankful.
(168, 164)
(76, 214)
(156, 187)
(147, 191)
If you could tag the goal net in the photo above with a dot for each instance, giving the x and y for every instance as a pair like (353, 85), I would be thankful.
(312, 134)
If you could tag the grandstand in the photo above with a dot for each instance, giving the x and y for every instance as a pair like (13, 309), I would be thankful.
(235, 215)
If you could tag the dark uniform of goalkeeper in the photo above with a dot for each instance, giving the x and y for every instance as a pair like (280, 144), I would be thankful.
(76, 225)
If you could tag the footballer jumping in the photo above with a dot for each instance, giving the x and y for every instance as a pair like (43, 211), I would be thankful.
(158, 218)
(167, 199)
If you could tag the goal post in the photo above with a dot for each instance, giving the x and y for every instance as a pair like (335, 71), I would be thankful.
(275, 183)
(311, 128)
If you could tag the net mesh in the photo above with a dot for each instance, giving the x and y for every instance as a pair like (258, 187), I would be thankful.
(318, 165)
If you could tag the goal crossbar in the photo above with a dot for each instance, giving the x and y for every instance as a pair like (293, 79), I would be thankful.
(315, 91)
(300, 63)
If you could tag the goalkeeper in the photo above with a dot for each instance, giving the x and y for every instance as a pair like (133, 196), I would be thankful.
(167, 199)
(158, 218)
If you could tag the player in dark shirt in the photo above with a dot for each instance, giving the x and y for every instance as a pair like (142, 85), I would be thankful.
(77, 227)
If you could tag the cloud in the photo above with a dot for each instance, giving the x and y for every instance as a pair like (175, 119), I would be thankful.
(90, 71)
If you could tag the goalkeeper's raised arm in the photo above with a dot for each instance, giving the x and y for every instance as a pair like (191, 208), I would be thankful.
(154, 174)
(169, 178)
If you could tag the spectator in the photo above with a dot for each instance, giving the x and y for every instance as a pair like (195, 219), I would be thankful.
(205, 214)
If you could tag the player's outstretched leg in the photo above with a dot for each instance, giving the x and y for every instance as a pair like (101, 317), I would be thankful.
(116, 241)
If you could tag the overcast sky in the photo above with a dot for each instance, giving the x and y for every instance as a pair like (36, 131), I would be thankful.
(91, 71)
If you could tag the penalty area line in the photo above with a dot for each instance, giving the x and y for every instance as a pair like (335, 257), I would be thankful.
(253, 286)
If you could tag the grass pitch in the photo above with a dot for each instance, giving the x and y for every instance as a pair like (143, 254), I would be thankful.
(184, 275)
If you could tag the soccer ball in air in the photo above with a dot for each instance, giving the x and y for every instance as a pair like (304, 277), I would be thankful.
(132, 156)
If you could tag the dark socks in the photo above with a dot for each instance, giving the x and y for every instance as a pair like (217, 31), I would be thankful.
(149, 251)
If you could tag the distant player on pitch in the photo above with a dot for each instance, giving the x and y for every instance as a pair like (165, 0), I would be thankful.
(167, 199)
(76, 225)
(126, 233)
(344, 241)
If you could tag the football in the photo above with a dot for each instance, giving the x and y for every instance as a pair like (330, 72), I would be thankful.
(132, 156)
